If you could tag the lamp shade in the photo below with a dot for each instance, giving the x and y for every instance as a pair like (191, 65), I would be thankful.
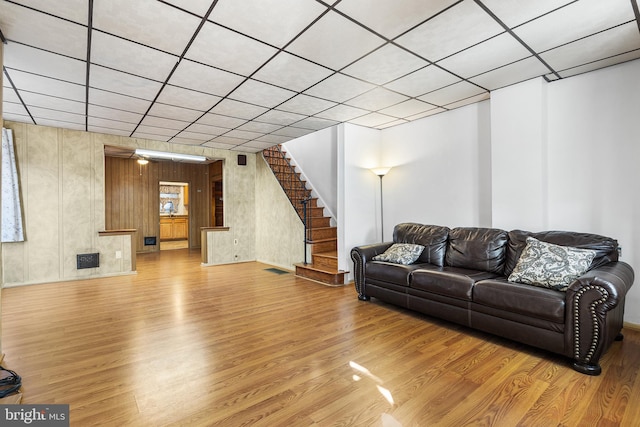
(382, 171)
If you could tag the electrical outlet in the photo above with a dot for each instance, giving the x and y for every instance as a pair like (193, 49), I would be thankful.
(118, 254)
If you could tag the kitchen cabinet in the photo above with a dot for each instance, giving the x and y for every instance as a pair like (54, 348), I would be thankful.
(174, 228)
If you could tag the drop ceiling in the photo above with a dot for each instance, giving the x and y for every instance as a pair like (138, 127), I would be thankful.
(247, 74)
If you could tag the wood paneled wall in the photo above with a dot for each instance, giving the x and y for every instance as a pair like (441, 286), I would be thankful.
(132, 197)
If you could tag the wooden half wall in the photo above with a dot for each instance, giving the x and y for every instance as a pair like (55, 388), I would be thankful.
(132, 197)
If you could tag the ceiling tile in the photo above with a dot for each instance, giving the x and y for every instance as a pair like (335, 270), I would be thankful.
(449, 32)
(45, 85)
(219, 145)
(173, 112)
(422, 81)
(228, 140)
(61, 36)
(204, 78)
(195, 136)
(108, 130)
(516, 12)
(264, 19)
(271, 139)
(257, 146)
(291, 72)
(407, 108)
(258, 93)
(60, 124)
(173, 95)
(467, 101)
(114, 114)
(185, 141)
(385, 64)
(118, 101)
(241, 110)
(259, 127)
(516, 72)
(335, 42)
(600, 64)
(377, 99)
(13, 108)
(208, 130)
(339, 88)
(316, 123)
(373, 120)
(425, 114)
(243, 134)
(618, 40)
(199, 7)
(579, 19)
(123, 55)
(73, 10)
(154, 130)
(292, 132)
(149, 135)
(149, 22)
(41, 114)
(225, 49)
(493, 53)
(392, 18)
(392, 124)
(453, 93)
(342, 113)
(25, 58)
(220, 121)
(283, 118)
(119, 82)
(305, 104)
(52, 102)
(126, 128)
(164, 123)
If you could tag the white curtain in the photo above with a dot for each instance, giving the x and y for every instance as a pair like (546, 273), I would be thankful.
(12, 230)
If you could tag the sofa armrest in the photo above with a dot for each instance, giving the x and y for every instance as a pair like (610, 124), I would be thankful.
(594, 313)
(360, 255)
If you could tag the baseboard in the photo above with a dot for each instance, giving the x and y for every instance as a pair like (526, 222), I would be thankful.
(632, 326)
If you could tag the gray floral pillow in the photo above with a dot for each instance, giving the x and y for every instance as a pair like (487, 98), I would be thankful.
(550, 266)
(401, 253)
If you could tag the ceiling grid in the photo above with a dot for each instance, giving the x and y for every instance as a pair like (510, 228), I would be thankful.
(245, 75)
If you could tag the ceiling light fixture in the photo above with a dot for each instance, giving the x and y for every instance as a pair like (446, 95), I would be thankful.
(169, 156)
(143, 161)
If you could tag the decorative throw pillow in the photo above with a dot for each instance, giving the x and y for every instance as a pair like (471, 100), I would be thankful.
(401, 253)
(550, 266)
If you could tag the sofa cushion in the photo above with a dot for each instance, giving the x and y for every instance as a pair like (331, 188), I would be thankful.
(401, 253)
(449, 281)
(550, 266)
(541, 303)
(387, 272)
(477, 248)
(605, 247)
(432, 237)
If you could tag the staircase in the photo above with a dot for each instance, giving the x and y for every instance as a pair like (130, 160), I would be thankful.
(321, 238)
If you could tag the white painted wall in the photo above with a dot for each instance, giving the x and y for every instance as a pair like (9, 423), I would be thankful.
(359, 150)
(594, 150)
(315, 156)
(519, 156)
(441, 169)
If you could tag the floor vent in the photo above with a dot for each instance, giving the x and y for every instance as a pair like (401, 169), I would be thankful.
(150, 241)
(276, 270)
(88, 260)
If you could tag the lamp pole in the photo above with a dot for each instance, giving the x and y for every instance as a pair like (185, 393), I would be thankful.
(381, 172)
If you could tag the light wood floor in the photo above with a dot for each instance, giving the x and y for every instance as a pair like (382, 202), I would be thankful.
(182, 344)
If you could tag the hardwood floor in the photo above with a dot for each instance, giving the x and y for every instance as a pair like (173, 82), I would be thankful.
(183, 344)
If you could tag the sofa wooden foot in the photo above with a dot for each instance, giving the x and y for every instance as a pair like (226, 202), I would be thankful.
(587, 369)
(619, 337)
(363, 297)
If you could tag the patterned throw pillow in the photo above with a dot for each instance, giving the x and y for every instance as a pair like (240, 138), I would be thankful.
(551, 266)
(401, 253)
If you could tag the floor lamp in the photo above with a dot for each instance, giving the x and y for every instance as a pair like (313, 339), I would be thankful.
(381, 172)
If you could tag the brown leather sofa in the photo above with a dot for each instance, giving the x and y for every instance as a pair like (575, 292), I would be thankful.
(461, 276)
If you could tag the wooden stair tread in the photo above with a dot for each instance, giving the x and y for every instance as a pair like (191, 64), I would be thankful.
(319, 268)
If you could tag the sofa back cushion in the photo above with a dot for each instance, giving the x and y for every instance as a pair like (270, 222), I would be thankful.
(477, 248)
(606, 248)
(432, 237)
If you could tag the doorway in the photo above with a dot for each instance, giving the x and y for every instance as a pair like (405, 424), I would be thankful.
(174, 215)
